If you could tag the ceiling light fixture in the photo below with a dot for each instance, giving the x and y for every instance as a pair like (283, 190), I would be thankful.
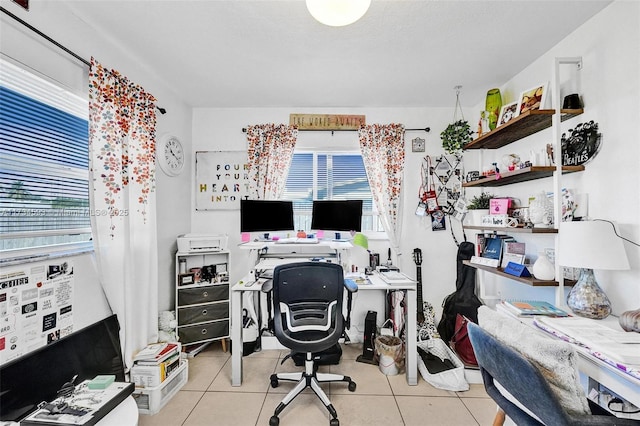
(337, 13)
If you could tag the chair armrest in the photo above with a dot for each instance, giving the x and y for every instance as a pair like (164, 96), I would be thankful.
(350, 285)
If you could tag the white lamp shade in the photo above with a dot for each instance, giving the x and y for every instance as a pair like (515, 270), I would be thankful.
(591, 244)
(337, 13)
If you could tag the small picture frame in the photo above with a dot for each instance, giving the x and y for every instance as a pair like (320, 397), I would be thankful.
(417, 145)
(507, 113)
(186, 279)
(533, 98)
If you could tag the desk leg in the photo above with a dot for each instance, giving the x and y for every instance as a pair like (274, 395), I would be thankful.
(411, 356)
(236, 338)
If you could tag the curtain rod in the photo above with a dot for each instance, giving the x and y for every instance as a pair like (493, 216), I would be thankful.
(426, 129)
(52, 41)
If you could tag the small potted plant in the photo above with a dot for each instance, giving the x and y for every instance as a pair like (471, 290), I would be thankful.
(480, 202)
(456, 136)
(478, 207)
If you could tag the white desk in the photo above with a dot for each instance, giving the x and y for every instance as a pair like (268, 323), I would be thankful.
(607, 375)
(411, 352)
(125, 413)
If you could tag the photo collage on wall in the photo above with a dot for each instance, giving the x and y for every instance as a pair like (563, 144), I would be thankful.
(36, 307)
(442, 178)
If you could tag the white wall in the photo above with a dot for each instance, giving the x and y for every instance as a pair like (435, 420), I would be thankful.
(609, 84)
(67, 28)
(221, 130)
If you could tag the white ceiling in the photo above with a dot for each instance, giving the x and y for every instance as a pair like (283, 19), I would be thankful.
(267, 53)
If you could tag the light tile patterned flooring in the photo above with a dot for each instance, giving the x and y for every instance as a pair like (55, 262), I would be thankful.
(209, 399)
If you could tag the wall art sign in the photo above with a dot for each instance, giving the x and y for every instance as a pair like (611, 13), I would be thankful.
(222, 179)
(327, 121)
(581, 144)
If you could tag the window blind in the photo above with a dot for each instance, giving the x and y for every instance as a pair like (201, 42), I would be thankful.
(44, 188)
(327, 176)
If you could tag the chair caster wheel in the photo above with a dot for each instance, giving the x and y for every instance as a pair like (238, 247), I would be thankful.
(274, 421)
(352, 386)
(274, 383)
(334, 422)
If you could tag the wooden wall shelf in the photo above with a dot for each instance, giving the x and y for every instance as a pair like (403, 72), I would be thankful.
(520, 127)
(525, 280)
(522, 175)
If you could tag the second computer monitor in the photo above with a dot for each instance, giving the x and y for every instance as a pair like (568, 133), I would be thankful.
(337, 215)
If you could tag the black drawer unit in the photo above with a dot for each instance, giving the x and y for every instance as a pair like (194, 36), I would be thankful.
(203, 313)
(203, 332)
(202, 296)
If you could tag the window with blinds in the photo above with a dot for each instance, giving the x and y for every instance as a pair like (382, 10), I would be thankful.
(328, 176)
(44, 187)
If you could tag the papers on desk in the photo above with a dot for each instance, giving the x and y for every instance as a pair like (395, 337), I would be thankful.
(394, 277)
(620, 346)
(357, 277)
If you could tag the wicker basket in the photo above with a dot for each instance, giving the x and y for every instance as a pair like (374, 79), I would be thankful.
(453, 379)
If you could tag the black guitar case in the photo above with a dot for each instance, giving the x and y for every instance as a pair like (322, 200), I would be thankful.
(464, 300)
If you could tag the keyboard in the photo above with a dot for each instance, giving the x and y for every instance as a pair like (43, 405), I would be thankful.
(297, 241)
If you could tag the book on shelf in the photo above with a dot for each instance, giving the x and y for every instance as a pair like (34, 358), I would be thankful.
(150, 376)
(481, 241)
(150, 351)
(533, 307)
(156, 357)
(513, 252)
(494, 246)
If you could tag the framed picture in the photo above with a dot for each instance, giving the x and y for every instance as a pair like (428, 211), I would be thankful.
(533, 98)
(417, 145)
(186, 279)
(507, 112)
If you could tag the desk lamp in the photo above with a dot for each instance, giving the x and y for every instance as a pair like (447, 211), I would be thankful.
(361, 240)
(590, 245)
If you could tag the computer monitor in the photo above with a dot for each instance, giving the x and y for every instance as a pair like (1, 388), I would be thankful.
(336, 215)
(266, 215)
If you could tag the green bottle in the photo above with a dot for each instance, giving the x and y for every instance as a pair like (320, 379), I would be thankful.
(493, 105)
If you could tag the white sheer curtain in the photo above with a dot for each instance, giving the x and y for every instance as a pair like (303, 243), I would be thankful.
(122, 126)
(382, 149)
(270, 150)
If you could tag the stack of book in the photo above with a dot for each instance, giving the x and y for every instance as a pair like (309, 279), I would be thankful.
(523, 308)
(153, 364)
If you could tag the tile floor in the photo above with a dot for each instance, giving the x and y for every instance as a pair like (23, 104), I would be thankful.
(209, 399)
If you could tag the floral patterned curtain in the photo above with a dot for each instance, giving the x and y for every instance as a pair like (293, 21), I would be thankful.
(122, 133)
(270, 152)
(382, 149)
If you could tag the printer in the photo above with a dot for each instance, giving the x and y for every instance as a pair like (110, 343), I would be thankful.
(194, 243)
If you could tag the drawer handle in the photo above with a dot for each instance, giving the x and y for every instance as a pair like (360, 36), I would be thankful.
(204, 312)
(204, 331)
(205, 293)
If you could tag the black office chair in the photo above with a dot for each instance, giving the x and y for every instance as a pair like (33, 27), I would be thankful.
(518, 376)
(307, 304)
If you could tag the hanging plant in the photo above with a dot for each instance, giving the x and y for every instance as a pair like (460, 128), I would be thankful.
(457, 134)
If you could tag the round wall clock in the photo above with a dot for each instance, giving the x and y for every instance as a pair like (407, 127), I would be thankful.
(170, 155)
